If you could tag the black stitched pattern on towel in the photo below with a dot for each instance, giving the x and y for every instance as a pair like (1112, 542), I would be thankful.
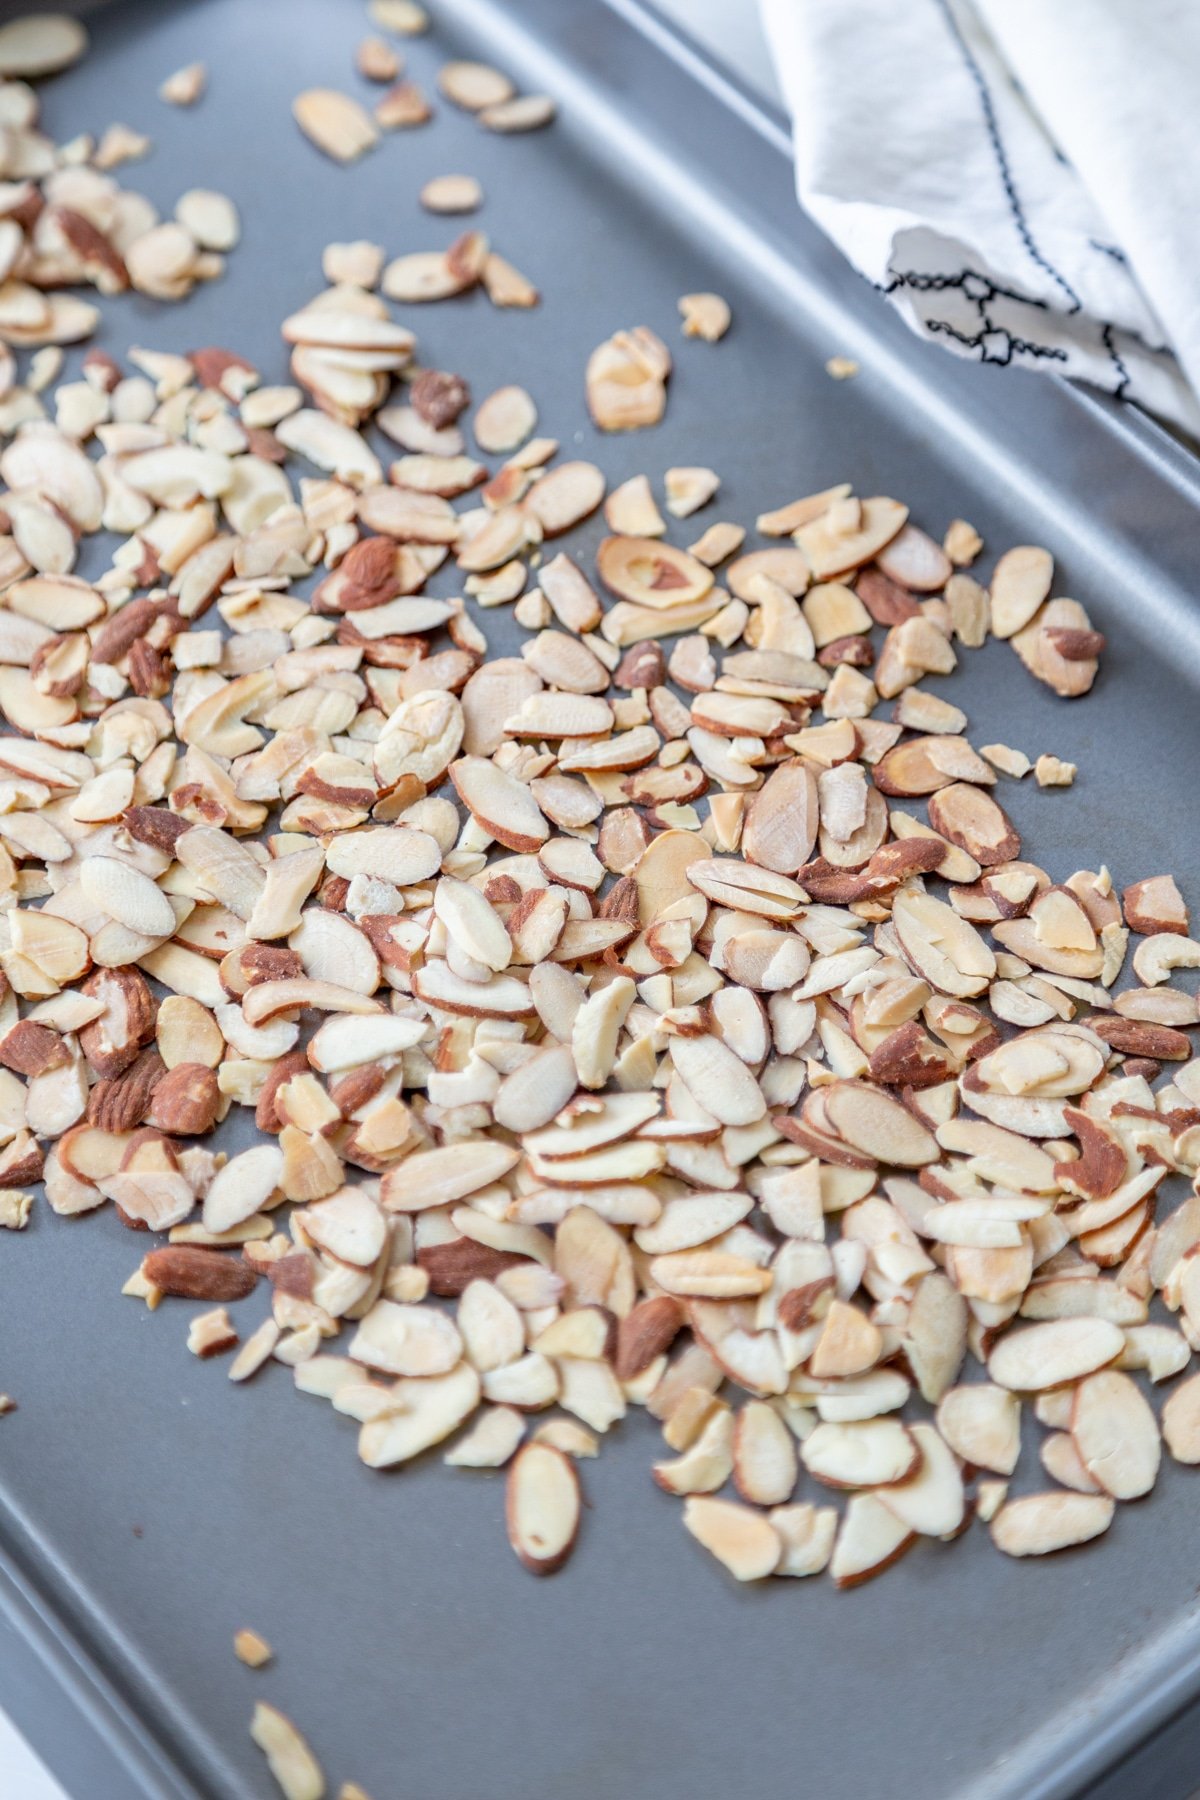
(1002, 163)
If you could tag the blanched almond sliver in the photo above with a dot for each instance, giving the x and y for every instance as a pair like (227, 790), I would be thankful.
(335, 123)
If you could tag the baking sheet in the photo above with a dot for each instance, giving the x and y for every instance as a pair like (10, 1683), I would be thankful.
(148, 1510)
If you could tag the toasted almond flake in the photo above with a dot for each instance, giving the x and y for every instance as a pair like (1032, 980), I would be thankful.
(981, 1424)
(491, 1442)
(404, 17)
(743, 1540)
(543, 1505)
(251, 1648)
(474, 85)
(256, 1350)
(289, 1758)
(1020, 583)
(764, 1456)
(423, 1412)
(185, 86)
(870, 1539)
(40, 44)
(867, 1454)
(452, 194)
(705, 316)
(524, 112)
(435, 1177)
(1046, 1356)
(626, 380)
(1116, 1435)
(335, 123)
(1181, 1421)
(1038, 1524)
(1051, 771)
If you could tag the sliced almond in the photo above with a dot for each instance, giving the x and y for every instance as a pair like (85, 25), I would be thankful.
(1047, 1356)
(743, 1540)
(1038, 1524)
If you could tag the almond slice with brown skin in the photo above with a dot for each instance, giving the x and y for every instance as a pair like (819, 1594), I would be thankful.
(651, 574)
(542, 1507)
(871, 1122)
(782, 819)
(866, 1454)
(945, 949)
(712, 1071)
(1038, 1524)
(870, 1540)
(503, 806)
(971, 819)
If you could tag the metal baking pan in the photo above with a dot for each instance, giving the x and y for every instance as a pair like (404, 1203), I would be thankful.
(147, 1509)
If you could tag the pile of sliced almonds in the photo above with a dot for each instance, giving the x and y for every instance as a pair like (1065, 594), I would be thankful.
(65, 222)
(665, 1017)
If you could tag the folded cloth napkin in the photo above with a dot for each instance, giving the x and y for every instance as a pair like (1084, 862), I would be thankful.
(1019, 177)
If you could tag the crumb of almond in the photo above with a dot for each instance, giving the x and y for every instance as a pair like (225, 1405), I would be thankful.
(705, 316)
(185, 86)
(962, 543)
(1008, 761)
(211, 1333)
(1051, 771)
(15, 1207)
(139, 1288)
(251, 1648)
(7, 1404)
(120, 144)
(842, 368)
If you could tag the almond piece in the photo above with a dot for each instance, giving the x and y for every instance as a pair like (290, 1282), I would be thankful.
(1038, 1524)
(1116, 1435)
(197, 1274)
(743, 1540)
(764, 1455)
(542, 1506)
(870, 1540)
(289, 1758)
(1049, 1355)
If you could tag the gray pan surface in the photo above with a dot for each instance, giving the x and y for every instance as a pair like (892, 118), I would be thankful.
(148, 1509)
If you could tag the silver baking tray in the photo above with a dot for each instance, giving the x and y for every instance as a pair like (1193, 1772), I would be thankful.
(147, 1509)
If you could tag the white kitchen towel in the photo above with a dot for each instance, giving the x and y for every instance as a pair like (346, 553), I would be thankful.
(1020, 177)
